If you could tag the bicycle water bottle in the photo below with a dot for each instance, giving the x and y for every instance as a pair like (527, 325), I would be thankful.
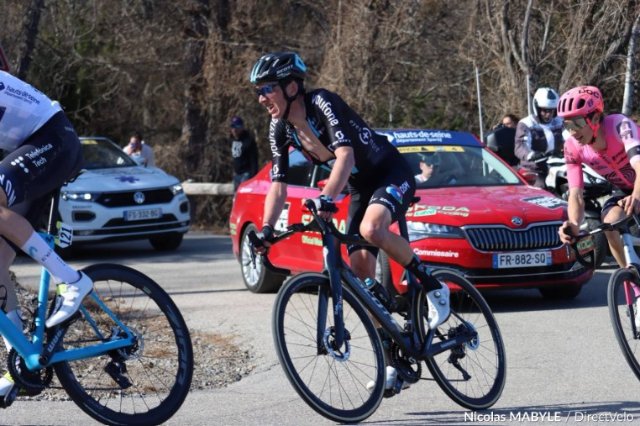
(379, 292)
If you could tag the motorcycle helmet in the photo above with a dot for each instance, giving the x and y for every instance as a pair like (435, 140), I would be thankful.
(545, 98)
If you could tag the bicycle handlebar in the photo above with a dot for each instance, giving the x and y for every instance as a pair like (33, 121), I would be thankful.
(584, 242)
(317, 224)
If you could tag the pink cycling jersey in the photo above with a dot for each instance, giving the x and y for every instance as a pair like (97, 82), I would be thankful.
(613, 163)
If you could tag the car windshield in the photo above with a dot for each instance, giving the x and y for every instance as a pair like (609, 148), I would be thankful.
(454, 165)
(103, 154)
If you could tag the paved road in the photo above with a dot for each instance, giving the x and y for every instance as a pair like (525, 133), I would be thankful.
(563, 361)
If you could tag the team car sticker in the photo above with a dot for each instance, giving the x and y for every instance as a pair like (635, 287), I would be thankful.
(420, 210)
(437, 253)
(283, 219)
(311, 237)
(431, 148)
(544, 201)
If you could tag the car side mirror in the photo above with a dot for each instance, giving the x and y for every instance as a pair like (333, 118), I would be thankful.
(529, 176)
(322, 183)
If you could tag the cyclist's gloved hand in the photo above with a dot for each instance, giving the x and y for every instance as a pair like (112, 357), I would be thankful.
(535, 156)
(262, 240)
(324, 203)
(267, 233)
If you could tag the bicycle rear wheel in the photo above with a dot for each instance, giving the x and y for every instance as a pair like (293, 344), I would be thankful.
(621, 297)
(472, 374)
(332, 381)
(144, 384)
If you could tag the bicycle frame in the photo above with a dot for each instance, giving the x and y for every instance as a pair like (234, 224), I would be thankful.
(36, 353)
(339, 272)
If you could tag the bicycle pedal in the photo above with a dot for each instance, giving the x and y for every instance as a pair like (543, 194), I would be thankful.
(7, 400)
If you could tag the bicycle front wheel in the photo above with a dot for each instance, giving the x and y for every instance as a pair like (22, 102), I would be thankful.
(143, 384)
(622, 293)
(331, 380)
(472, 374)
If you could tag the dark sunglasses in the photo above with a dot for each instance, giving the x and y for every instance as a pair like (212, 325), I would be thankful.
(547, 110)
(574, 123)
(265, 90)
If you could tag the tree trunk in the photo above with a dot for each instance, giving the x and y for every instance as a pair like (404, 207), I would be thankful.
(627, 100)
(30, 33)
(194, 130)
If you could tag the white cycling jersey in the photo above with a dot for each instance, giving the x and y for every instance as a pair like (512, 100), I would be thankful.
(23, 110)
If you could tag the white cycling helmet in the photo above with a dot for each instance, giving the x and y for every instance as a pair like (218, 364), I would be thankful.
(545, 98)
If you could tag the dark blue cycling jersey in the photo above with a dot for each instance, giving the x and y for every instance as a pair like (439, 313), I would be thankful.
(335, 124)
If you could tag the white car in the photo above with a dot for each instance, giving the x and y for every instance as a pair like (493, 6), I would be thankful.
(114, 199)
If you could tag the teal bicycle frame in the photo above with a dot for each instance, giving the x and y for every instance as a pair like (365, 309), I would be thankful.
(34, 351)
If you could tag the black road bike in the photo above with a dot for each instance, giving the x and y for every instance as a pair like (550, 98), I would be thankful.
(333, 353)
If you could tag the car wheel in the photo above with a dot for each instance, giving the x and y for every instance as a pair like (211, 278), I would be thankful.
(257, 278)
(166, 242)
(565, 292)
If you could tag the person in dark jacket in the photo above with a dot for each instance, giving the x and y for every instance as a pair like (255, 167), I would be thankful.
(244, 152)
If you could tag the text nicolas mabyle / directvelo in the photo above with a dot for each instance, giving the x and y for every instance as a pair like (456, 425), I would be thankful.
(549, 417)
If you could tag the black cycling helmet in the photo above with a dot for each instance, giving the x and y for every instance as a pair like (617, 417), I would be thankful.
(278, 66)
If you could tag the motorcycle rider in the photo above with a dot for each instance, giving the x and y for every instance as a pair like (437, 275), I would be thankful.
(539, 133)
(611, 146)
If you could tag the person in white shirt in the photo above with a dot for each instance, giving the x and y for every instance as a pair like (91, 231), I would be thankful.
(139, 151)
(42, 153)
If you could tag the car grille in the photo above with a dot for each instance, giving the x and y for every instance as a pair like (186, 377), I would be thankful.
(124, 199)
(501, 238)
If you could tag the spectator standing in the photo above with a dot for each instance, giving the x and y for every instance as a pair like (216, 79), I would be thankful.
(244, 152)
(540, 133)
(139, 151)
(510, 120)
(501, 139)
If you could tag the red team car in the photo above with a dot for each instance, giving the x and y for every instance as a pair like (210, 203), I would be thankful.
(475, 215)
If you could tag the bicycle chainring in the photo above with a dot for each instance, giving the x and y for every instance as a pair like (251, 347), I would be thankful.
(30, 382)
(409, 370)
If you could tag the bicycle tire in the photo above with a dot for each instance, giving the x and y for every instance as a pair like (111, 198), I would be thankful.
(620, 314)
(485, 364)
(335, 388)
(159, 368)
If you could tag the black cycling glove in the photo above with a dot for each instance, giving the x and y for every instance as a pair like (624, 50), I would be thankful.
(324, 203)
(267, 233)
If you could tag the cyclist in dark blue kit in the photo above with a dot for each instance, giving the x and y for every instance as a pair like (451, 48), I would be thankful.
(327, 131)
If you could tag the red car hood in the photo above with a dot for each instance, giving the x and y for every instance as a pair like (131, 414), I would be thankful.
(486, 205)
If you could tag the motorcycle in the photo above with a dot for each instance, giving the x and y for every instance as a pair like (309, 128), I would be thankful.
(595, 187)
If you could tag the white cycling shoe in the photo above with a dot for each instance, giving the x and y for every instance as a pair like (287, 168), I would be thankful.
(439, 308)
(391, 377)
(8, 390)
(68, 299)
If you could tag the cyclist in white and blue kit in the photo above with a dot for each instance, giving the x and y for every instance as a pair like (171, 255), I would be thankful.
(328, 132)
(42, 152)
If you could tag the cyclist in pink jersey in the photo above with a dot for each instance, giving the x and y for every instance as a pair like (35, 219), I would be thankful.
(611, 146)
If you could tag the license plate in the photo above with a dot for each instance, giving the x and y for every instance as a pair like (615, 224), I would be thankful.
(521, 260)
(132, 215)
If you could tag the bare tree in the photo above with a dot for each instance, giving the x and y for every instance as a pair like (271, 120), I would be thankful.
(196, 32)
(30, 33)
(627, 100)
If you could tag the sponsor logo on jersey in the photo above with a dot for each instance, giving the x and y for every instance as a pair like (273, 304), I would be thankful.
(327, 110)
(20, 94)
(9, 191)
(365, 136)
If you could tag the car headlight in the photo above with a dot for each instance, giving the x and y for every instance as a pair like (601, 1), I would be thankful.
(420, 230)
(176, 189)
(79, 196)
